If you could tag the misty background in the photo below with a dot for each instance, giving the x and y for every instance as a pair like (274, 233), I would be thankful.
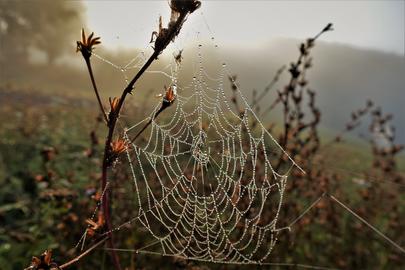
(362, 59)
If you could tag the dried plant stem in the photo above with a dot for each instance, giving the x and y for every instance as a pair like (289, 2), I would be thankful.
(291, 85)
(267, 89)
(148, 123)
(93, 82)
(113, 117)
(292, 95)
(290, 88)
(106, 159)
(69, 263)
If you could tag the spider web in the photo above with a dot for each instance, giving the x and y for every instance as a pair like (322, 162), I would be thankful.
(207, 182)
(206, 178)
(203, 177)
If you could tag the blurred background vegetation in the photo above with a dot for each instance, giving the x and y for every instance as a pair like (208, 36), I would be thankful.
(51, 140)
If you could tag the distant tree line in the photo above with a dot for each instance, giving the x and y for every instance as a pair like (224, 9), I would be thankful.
(48, 26)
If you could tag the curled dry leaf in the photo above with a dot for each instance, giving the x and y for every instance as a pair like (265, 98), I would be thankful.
(95, 226)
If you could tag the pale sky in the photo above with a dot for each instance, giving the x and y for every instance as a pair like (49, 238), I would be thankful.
(369, 24)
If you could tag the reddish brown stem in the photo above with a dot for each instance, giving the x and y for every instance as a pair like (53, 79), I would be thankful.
(93, 82)
(74, 260)
(111, 128)
(148, 123)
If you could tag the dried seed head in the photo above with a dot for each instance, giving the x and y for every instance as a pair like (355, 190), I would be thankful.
(184, 6)
(86, 45)
(303, 49)
(294, 70)
(118, 147)
(328, 27)
(35, 262)
(170, 95)
(310, 42)
(43, 262)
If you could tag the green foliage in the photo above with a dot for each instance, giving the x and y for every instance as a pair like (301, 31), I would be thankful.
(32, 220)
(42, 203)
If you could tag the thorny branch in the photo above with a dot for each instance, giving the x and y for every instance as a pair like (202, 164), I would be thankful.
(180, 10)
(267, 89)
(295, 70)
(85, 46)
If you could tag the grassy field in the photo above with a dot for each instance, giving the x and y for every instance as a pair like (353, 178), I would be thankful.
(49, 170)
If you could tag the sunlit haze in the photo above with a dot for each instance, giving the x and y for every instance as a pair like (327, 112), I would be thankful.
(369, 24)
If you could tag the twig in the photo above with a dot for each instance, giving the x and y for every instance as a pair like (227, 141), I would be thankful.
(268, 87)
(74, 260)
(85, 46)
(93, 82)
(147, 124)
(295, 72)
(114, 115)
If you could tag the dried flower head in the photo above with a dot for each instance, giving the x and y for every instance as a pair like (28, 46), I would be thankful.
(44, 262)
(86, 45)
(184, 6)
(118, 146)
(328, 27)
(170, 95)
